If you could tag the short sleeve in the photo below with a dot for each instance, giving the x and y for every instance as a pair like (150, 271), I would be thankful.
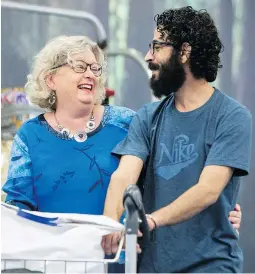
(19, 186)
(137, 140)
(232, 145)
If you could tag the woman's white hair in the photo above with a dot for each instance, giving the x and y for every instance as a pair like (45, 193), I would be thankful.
(56, 53)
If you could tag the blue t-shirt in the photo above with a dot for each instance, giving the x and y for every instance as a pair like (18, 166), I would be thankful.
(50, 172)
(175, 147)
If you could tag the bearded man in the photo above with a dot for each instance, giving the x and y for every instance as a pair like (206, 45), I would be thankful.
(189, 151)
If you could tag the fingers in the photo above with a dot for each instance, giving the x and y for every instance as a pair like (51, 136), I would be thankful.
(110, 243)
(115, 242)
(236, 214)
(140, 234)
(237, 207)
(235, 217)
(138, 249)
(235, 221)
(103, 243)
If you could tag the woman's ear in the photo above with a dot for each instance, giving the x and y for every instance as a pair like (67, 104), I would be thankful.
(49, 80)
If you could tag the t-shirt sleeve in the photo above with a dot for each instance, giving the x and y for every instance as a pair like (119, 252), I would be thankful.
(137, 140)
(232, 145)
(19, 185)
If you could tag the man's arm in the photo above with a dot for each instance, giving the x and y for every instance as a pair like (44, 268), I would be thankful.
(127, 173)
(133, 150)
(212, 181)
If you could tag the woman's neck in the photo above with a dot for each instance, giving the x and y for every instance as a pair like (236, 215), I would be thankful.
(74, 113)
(76, 120)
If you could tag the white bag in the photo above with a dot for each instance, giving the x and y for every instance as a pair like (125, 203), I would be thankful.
(74, 237)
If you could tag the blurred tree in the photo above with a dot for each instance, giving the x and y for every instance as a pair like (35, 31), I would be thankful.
(20, 31)
(237, 37)
(65, 26)
(136, 90)
(118, 32)
(246, 77)
(225, 29)
(247, 71)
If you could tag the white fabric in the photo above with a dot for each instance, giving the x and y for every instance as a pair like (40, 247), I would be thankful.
(76, 237)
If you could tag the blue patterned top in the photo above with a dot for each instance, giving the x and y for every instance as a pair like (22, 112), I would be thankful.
(52, 173)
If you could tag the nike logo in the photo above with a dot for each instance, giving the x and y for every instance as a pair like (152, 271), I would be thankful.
(183, 154)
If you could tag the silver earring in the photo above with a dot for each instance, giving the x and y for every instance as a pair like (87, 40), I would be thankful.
(52, 98)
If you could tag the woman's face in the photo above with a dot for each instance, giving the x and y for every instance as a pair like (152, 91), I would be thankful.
(77, 83)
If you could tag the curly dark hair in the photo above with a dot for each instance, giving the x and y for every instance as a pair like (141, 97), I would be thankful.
(198, 29)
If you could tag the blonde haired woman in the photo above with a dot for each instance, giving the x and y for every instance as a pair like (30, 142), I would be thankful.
(61, 160)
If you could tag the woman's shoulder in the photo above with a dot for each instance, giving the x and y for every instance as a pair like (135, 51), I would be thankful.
(118, 116)
(31, 122)
(122, 112)
(30, 126)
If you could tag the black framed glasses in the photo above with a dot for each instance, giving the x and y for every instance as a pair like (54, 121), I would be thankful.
(80, 66)
(156, 46)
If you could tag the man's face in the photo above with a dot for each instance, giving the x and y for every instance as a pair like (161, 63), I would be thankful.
(168, 74)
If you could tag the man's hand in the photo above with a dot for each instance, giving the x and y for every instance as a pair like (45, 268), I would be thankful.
(110, 243)
(235, 216)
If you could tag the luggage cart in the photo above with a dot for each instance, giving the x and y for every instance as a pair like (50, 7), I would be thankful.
(135, 216)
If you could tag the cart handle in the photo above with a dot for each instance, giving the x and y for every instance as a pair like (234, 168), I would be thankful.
(132, 201)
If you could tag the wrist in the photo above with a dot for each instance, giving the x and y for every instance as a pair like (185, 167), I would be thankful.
(161, 217)
(150, 217)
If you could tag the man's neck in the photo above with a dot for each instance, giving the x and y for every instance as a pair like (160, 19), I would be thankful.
(193, 94)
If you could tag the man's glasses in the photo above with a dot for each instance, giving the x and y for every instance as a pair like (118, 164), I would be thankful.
(156, 46)
(80, 66)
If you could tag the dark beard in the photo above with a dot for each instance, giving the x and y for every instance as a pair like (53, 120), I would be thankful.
(170, 78)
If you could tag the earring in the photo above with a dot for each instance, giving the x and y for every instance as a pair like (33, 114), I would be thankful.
(52, 98)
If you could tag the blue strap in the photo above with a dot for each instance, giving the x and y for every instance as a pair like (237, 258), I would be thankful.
(38, 219)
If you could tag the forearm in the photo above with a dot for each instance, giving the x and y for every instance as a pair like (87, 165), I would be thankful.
(113, 203)
(212, 181)
(126, 174)
(190, 203)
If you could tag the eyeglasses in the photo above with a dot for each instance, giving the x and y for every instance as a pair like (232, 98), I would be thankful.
(158, 45)
(80, 66)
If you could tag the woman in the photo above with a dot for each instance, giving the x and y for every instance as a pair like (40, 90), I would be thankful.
(61, 161)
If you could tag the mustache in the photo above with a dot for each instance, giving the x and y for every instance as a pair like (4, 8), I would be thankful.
(153, 66)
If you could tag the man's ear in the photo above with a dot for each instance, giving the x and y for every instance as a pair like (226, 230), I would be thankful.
(49, 80)
(185, 52)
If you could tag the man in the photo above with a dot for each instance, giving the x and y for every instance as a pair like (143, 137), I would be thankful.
(192, 147)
